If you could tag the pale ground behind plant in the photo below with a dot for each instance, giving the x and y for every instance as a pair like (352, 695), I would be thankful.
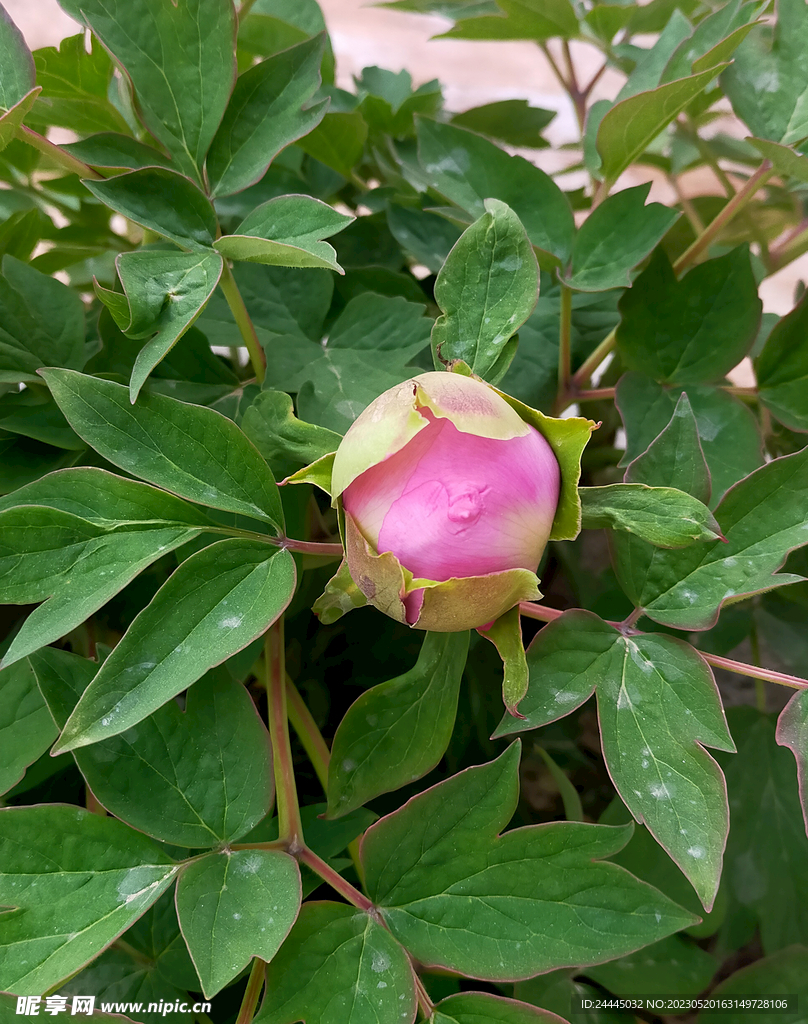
(471, 74)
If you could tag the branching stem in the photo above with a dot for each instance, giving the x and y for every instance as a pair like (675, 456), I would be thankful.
(564, 343)
(290, 829)
(335, 880)
(245, 325)
(544, 614)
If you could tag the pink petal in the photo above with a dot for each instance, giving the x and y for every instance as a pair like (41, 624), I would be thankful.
(452, 504)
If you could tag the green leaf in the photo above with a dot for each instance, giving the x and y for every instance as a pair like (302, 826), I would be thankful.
(486, 290)
(76, 881)
(113, 151)
(270, 423)
(714, 39)
(524, 19)
(180, 61)
(397, 731)
(766, 82)
(770, 977)
(676, 966)
(233, 906)
(11, 120)
(617, 236)
(338, 141)
(505, 907)
(26, 731)
(195, 452)
(675, 458)
(792, 732)
(216, 602)
(728, 432)
(784, 159)
(288, 232)
(338, 966)
(767, 848)
(195, 778)
(513, 122)
(17, 72)
(41, 321)
(483, 1008)
(107, 500)
(165, 293)
(468, 169)
(657, 705)
(692, 331)
(762, 518)
(118, 976)
(506, 635)
(782, 369)
(280, 300)
(425, 236)
(75, 88)
(163, 201)
(270, 108)
(71, 565)
(632, 124)
(34, 414)
(664, 516)
(339, 386)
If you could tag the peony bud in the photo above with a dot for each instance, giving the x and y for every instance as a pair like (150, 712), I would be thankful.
(449, 498)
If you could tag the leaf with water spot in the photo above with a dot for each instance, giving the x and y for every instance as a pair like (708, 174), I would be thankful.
(458, 894)
(658, 708)
(195, 777)
(762, 518)
(72, 566)
(235, 905)
(338, 966)
(217, 601)
(75, 881)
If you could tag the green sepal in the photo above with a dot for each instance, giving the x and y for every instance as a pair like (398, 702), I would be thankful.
(506, 635)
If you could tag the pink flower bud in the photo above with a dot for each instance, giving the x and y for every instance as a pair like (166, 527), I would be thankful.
(449, 499)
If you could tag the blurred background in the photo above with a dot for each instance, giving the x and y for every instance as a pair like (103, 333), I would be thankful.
(471, 73)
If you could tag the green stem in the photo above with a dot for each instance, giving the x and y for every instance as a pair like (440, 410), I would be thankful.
(544, 614)
(245, 325)
(737, 203)
(290, 829)
(304, 547)
(252, 992)
(307, 732)
(593, 360)
(58, 155)
(245, 8)
(564, 343)
(595, 395)
(335, 880)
